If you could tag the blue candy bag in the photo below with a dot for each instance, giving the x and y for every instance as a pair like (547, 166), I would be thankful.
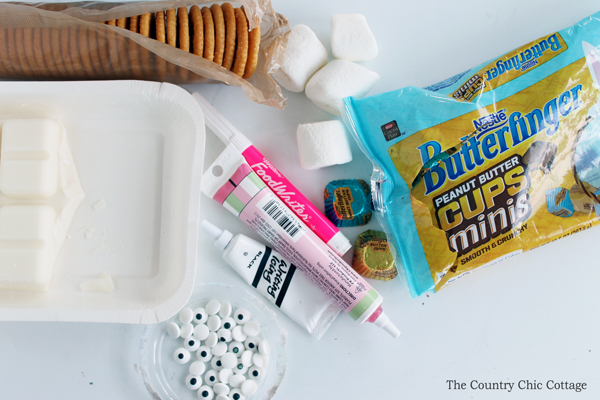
(497, 160)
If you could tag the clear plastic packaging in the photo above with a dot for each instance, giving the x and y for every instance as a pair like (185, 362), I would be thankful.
(69, 41)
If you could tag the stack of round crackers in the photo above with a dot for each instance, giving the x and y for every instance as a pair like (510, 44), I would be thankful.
(83, 51)
(218, 33)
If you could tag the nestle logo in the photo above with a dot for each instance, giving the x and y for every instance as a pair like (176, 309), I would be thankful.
(391, 131)
(490, 122)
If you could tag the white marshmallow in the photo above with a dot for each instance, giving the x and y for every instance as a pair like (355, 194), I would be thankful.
(351, 38)
(304, 56)
(322, 144)
(336, 80)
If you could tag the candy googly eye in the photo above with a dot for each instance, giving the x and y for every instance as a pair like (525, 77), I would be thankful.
(193, 382)
(229, 360)
(249, 387)
(214, 323)
(211, 377)
(219, 349)
(259, 360)
(252, 343)
(228, 323)
(204, 353)
(236, 394)
(181, 356)
(211, 340)
(225, 310)
(201, 332)
(236, 348)
(205, 393)
(251, 328)
(224, 335)
(246, 358)
(186, 330)
(186, 315)
(240, 368)
(238, 334)
(191, 344)
(197, 368)
(255, 373)
(236, 381)
(241, 316)
(263, 348)
(224, 375)
(216, 364)
(200, 315)
(221, 388)
(213, 307)
(222, 397)
(173, 330)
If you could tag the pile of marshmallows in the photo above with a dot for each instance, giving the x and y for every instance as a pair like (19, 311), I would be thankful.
(306, 67)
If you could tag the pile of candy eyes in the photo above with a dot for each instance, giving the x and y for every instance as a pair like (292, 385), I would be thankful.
(231, 359)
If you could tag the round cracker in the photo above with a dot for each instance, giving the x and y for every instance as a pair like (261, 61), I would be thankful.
(5, 63)
(184, 29)
(145, 54)
(253, 45)
(38, 53)
(108, 51)
(161, 35)
(218, 20)
(84, 50)
(36, 70)
(230, 35)
(197, 30)
(47, 50)
(118, 55)
(133, 54)
(209, 34)
(134, 23)
(112, 22)
(122, 23)
(161, 63)
(12, 52)
(145, 24)
(95, 53)
(76, 59)
(133, 49)
(184, 38)
(19, 48)
(241, 51)
(65, 54)
(172, 27)
(56, 52)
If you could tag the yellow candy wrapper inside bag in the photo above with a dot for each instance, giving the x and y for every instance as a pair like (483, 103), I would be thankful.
(495, 161)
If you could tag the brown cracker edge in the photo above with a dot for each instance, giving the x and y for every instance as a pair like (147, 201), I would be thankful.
(241, 51)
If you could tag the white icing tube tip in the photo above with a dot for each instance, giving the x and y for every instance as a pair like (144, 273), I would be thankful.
(383, 322)
(221, 237)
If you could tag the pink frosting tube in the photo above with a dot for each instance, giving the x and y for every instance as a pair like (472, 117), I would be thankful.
(296, 201)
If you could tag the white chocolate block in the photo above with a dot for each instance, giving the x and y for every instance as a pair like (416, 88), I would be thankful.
(27, 246)
(322, 144)
(351, 38)
(29, 165)
(104, 284)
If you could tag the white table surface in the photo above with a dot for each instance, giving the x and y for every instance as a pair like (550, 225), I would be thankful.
(533, 317)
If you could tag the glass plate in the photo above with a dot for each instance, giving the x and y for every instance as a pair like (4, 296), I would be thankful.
(165, 379)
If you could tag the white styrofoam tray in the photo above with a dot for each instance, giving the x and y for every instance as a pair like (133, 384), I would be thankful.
(138, 147)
